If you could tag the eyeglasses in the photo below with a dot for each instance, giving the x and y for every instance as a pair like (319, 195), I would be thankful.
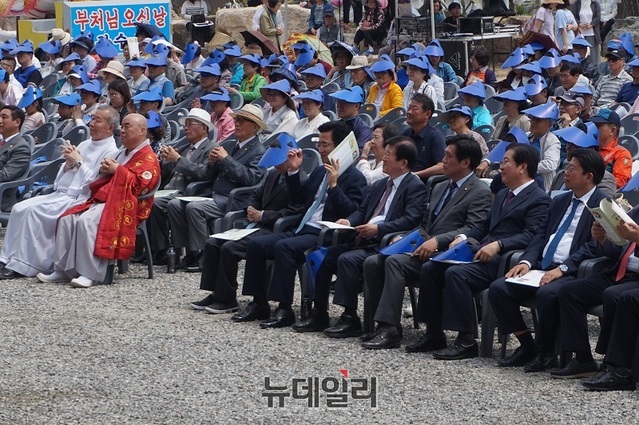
(571, 169)
(193, 124)
(240, 120)
(323, 145)
(613, 59)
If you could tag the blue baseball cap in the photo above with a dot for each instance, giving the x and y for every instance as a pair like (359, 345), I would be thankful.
(317, 70)
(354, 94)
(51, 47)
(72, 99)
(216, 56)
(277, 153)
(304, 56)
(212, 69)
(476, 89)
(154, 120)
(463, 110)
(253, 58)
(156, 60)
(219, 95)
(607, 116)
(548, 111)
(315, 95)
(528, 50)
(105, 48)
(153, 95)
(30, 95)
(580, 40)
(189, 53)
(383, 64)
(550, 60)
(233, 51)
(24, 47)
(515, 58)
(92, 86)
(79, 71)
(535, 85)
(137, 63)
(516, 95)
(582, 89)
(531, 66)
(576, 136)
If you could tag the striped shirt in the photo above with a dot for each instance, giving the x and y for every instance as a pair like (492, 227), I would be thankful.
(608, 87)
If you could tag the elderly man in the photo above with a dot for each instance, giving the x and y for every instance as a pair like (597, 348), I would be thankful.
(103, 228)
(33, 222)
(609, 85)
(15, 152)
(180, 167)
(231, 165)
(617, 158)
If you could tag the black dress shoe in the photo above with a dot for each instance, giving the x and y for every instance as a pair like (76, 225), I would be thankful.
(619, 379)
(279, 319)
(347, 326)
(191, 259)
(316, 321)
(427, 343)
(520, 357)
(252, 312)
(195, 264)
(368, 336)
(457, 351)
(541, 363)
(387, 337)
(139, 258)
(9, 274)
(160, 258)
(576, 369)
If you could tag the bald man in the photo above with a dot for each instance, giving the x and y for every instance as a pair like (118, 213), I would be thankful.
(103, 228)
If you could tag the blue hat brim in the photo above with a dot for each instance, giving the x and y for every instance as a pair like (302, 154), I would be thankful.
(315, 70)
(156, 61)
(303, 58)
(72, 99)
(546, 111)
(49, 48)
(315, 95)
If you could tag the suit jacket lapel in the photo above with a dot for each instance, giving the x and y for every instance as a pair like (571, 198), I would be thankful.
(398, 194)
(240, 153)
(438, 192)
(518, 199)
(457, 197)
(374, 201)
(272, 189)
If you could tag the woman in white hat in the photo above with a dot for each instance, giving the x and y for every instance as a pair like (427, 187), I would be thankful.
(544, 19)
(113, 71)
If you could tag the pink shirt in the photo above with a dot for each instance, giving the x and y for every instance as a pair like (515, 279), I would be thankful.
(224, 124)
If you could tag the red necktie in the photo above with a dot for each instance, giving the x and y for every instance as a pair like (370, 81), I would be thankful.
(382, 201)
(623, 265)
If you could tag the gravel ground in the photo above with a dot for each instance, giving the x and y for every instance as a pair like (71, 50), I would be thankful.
(135, 353)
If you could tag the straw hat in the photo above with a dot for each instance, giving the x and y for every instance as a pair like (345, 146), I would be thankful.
(60, 35)
(251, 113)
(115, 68)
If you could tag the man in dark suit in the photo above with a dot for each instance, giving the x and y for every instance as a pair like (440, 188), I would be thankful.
(577, 296)
(394, 204)
(457, 205)
(15, 152)
(180, 167)
(231, 165)
(429, 140)
(559, 246)
(269, 203)
(326, 195)
(446, 293)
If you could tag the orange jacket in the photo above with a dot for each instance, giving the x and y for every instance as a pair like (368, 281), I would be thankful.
(618, 161)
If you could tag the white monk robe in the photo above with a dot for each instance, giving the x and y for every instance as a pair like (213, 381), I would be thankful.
(76, 235)
(29, 240)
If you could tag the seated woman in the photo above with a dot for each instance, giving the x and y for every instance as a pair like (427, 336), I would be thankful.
(252, 80)
(479, 68)
(154, 130)
(371, 28)
(312, 102)
(372, 168)
(473, 96)
(514, 78)
(342, 57)
(31, 102)
(54, 55)
(514, 101)
(220, 105)
(360, 74)
(280, 113)
(422, 79)
(138, 81)
(460, 119)
(385, 93)
(537, 90)
(444, 70)
(119, 96)
(63, 86)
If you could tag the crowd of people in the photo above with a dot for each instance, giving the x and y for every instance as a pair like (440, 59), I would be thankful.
(448, 170)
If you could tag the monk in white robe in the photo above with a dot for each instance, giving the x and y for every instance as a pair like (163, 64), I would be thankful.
(30, 235)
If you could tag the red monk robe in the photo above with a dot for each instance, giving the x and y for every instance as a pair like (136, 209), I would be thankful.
(119, 192)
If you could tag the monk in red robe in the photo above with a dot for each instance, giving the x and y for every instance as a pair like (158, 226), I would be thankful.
(102, 229)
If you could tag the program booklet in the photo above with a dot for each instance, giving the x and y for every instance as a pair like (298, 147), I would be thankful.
(532, 278)
(336, 226)
(610, 214)
(346, 153)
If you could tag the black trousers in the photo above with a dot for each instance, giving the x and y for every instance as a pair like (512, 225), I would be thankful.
(624, 330)
(369, 37)
(358, 11)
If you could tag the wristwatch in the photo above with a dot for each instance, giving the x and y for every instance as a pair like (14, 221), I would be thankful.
(563, 268)
(77, 165)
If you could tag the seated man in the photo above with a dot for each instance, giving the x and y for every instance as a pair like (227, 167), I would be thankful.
(577, 296)
(326, 195)
(457, 205)
(70, 112)
(617, 158)
(231, 165)
(152, 100)
(90, 94)
(547, 144)
(103, 228)
(429, 140)
(608, 86)
(180, 168)
(9, 93)
(33, 221)
(269, 203)
(446, 293)
(15, 152)
(348, 103)
(395, 203)
(559, 246)
(27, 73)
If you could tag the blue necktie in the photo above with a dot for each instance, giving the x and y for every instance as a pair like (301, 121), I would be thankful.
(315, 205)
(451, 191)
(550, 253)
